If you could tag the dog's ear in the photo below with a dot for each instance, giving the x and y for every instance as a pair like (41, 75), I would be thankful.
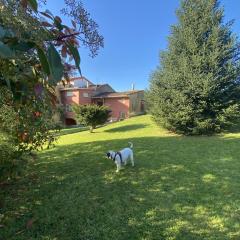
(108, 154)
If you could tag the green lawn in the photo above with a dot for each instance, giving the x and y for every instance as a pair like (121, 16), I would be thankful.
(181, 188)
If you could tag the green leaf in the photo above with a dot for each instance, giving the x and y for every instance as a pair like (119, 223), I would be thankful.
(55, 64)
(6, 33)
(43, 59)
(8, 83)
(76, 56)
(33, 4)
(23, 46)
(2, 32)
(6, 51)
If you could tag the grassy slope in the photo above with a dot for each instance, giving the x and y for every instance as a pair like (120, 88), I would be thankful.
(181, 188)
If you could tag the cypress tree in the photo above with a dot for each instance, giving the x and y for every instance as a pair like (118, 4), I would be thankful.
(196, 88)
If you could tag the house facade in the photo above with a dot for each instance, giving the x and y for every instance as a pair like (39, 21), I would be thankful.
(81, 91)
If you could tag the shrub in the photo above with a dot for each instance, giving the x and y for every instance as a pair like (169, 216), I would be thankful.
(23, 128)
(91, 115)
(10, 161)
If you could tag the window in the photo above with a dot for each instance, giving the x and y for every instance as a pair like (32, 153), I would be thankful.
(68, 108)
(100, 103)
(69, 94)
(80, 83)
(122, 115)
(85, 94)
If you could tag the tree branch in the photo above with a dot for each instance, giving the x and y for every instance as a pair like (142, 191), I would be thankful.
(60, 38)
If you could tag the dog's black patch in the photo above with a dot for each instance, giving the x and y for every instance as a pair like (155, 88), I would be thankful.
(120, 155)
(108, 154)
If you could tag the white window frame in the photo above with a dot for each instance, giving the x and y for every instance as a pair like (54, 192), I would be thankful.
(69, 93)
(85, 94)
(68, 108)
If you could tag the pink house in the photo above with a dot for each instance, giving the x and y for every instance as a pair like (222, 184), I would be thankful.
(82, 91)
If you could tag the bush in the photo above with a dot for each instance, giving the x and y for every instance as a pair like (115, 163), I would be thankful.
(23, 128)
(30, 125)
(91, 115)
(10, 160)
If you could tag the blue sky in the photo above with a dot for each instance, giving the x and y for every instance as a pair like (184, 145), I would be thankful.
(134, 33)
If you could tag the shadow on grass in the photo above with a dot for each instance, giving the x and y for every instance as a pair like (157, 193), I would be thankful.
(181, 188)
(66, 131)
(131, 127)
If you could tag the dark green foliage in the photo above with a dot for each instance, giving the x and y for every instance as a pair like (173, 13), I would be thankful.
(55, 65)
(196, 88)
(29, 126)
(33, 4)
(91, 115)
(24, 127)
(34, 51)
(76, 56)
(11, 163)
(9, 157)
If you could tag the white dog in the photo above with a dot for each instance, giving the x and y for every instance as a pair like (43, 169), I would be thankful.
(121, 157)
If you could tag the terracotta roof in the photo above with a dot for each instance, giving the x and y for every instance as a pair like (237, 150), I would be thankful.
(115, 94)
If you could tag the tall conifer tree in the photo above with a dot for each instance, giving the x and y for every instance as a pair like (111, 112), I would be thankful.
(196, 88)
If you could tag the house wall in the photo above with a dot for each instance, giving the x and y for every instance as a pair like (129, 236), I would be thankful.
(121, 107)
(76, 98)
(85, 100)
(118, 106)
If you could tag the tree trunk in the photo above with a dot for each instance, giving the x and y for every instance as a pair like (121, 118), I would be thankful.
(91, 129)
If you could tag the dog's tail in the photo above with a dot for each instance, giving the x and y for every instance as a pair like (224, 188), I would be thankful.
(131, 145)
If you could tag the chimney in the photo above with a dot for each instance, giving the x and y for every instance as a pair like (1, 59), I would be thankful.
(133, 86)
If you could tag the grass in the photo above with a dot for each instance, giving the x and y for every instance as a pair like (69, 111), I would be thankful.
(66, 131)
(181, 188)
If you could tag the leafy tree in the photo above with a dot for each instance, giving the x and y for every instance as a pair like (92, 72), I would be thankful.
(196, 88)
(91, 115)
(36, 52)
